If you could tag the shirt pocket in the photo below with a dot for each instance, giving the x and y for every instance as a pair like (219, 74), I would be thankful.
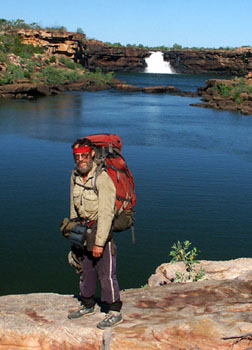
(90, 202)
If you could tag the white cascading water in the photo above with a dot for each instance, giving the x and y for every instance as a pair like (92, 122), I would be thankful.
(156, 64)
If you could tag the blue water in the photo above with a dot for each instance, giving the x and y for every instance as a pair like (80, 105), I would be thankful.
(192, 170)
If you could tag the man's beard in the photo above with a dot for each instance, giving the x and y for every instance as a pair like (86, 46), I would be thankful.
(84, 171)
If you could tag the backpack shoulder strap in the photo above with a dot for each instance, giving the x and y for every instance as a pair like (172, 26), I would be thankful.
(84, 186)
(98, 171)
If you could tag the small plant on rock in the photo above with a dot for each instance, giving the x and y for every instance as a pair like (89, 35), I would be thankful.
(180, 252)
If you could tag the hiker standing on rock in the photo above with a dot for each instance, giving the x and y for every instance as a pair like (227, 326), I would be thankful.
(95, 209)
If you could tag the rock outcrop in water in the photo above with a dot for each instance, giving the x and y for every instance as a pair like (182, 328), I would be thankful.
(207, 315)
(232, 95)
(34, 90)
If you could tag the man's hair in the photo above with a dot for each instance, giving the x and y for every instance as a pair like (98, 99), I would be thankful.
(82, 142)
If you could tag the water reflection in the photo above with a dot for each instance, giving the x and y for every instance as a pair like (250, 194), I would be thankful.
(44, 118)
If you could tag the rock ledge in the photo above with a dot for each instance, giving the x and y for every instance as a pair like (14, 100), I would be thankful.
(175, 316)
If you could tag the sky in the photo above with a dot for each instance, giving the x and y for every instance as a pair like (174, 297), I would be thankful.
(189, 23)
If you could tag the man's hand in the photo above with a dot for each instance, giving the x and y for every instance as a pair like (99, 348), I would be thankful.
(97, 251)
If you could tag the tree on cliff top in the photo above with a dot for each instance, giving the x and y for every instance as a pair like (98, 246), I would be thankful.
(20, 23)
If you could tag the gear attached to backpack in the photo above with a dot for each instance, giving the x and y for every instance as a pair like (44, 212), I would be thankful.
(108, 156)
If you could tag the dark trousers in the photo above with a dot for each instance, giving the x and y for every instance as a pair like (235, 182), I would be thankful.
(103, 268)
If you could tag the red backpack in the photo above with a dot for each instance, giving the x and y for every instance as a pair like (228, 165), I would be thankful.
(108, 156)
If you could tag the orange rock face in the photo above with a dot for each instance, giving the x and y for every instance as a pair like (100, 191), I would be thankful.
(90, 53)
(56, 42)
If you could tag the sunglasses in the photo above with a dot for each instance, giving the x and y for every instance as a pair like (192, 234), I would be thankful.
(79, 156)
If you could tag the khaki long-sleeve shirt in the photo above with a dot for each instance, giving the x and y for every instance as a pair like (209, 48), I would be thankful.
(90, 205)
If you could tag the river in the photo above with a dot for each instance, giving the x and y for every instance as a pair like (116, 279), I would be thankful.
(192, 169)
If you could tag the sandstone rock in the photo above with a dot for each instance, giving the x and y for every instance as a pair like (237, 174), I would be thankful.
(32, 90)
(28, 90)
(215, 100)
(249, 77)
(161, 89)
(214, 270)
(13, 59)
(171, 317)
(56, 42)
(128, 87)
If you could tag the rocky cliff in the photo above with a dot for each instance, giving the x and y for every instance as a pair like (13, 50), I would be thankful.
(90, 53)
(214, 314)
(72, 45)
(229, 62)
(94, 53)
(115, 58)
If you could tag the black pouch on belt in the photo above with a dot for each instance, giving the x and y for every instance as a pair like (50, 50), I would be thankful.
(78, 234)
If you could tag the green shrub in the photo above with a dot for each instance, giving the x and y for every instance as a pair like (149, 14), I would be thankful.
(3, 57)
(80, 30)
(180, 252)
(109, 77)
(16, 71)
(20, 23)
(62, 59)
(235, 90)
(72, 76)
(6, 78)
(54, 75)
(224, 90)
(57, 28)
(69, 63)
(13, 44)
(52, 59)
(13, 74)
(99, 77)
(30, 66)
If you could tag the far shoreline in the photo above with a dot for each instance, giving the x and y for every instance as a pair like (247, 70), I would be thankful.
(210, 93)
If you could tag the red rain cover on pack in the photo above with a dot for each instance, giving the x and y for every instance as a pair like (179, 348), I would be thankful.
(108, 147)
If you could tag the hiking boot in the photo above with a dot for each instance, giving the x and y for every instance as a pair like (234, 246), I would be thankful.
(81, 312)
(112, 318)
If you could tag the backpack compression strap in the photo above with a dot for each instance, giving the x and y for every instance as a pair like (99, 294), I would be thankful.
(100, 168)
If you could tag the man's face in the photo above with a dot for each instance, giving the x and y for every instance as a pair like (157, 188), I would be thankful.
(84, 162)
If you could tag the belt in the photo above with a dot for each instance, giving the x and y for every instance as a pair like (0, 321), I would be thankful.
(89, 223)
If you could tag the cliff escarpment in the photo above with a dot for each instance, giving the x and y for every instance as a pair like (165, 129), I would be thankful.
(228, 62)
(93, 54)
(120, 58)
(72, 45)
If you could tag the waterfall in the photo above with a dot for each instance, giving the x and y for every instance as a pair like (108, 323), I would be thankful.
(156, 64)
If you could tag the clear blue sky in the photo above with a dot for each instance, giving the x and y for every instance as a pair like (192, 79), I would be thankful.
(189, 23)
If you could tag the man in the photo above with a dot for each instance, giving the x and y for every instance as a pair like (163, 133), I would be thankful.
(96, 208)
